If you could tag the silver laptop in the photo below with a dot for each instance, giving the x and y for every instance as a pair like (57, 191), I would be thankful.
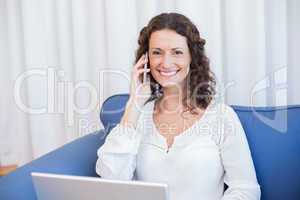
(66, 187)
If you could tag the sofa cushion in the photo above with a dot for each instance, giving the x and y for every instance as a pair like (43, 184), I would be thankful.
(75, 158)
(273, 135)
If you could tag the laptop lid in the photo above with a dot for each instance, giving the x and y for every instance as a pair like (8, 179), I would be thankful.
(66, 187)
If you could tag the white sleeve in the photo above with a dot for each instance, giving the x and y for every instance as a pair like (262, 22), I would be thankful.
(240, 174)
(117, 156)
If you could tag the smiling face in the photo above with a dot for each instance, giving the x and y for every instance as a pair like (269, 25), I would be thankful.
(169, 57)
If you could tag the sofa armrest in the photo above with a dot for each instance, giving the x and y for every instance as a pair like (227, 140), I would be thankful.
(75, 158)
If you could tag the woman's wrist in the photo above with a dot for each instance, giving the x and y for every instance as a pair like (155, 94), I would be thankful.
(135, 101)
(131, 114)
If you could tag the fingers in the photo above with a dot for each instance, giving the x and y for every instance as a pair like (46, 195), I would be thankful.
(143, 60)
(140, 71)
(137, 85)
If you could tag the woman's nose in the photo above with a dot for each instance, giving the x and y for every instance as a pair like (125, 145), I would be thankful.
(167, 61)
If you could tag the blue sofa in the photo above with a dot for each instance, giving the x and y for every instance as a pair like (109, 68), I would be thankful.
(273, 134)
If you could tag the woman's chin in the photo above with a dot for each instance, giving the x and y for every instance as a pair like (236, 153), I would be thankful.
(169, 84)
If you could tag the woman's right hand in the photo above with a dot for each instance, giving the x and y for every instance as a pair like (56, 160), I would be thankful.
(139, 91)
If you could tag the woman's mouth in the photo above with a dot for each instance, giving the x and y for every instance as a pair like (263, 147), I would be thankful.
(168, 73)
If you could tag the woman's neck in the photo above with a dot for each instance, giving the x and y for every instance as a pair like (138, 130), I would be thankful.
(171, 101)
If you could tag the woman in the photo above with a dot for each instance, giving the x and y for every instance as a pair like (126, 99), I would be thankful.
(173, 130)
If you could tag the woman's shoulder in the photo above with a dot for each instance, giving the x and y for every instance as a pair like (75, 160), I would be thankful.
(221, 109)
(225, 118)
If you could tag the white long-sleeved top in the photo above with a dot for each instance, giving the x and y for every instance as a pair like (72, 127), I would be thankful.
(213, 151)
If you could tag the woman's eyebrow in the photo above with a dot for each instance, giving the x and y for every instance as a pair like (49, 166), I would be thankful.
(155, 49)
(176, 48)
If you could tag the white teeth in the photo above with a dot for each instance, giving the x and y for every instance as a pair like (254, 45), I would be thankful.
(172, 73)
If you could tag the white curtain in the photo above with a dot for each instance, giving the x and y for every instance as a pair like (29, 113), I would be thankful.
(60, 59)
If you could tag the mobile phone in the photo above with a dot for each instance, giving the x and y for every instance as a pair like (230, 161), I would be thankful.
(145, 67)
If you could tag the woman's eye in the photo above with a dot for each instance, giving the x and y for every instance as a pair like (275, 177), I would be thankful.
(155, 52)
(178, 52)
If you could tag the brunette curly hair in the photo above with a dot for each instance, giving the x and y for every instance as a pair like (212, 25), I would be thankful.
(200, 79)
